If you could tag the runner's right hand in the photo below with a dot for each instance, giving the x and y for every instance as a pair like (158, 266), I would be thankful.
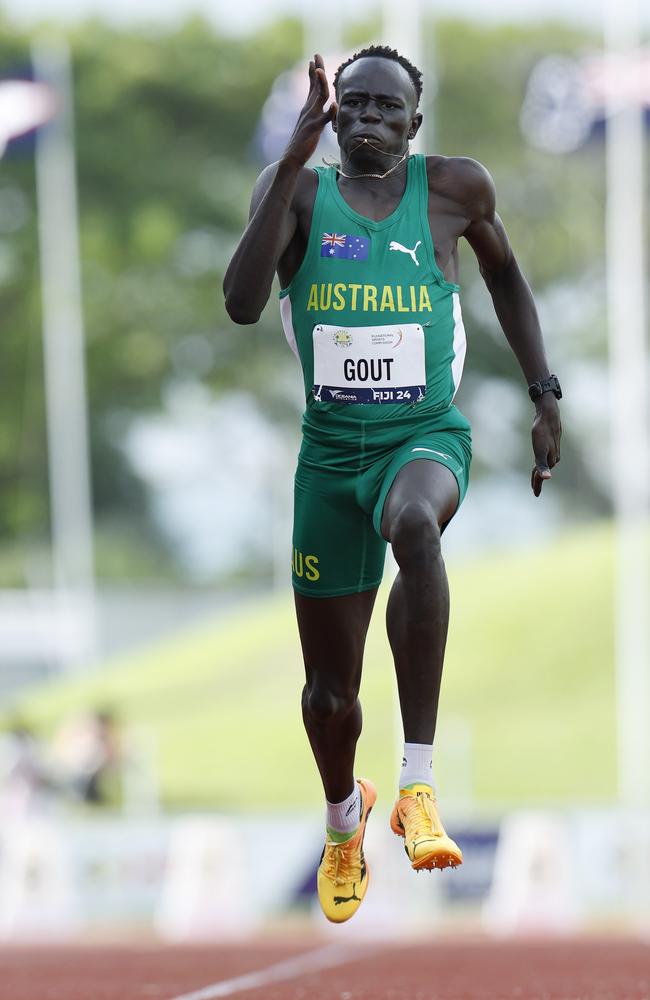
(312, 119)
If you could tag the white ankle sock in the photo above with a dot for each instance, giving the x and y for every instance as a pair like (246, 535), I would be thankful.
(417, 765)
(345, 816)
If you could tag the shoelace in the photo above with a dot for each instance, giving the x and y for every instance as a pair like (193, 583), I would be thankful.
(342, 862)
(420, 814)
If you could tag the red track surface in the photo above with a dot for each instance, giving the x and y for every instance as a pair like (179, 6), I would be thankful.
(446, 970)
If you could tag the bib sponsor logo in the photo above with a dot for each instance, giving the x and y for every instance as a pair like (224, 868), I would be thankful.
(342, 338)
(337, 395)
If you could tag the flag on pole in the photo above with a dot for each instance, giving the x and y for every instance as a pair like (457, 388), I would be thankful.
(24, 105)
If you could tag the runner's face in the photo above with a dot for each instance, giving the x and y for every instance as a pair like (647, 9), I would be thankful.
(376, 101)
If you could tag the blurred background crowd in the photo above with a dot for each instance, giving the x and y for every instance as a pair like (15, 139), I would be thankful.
(80, 765)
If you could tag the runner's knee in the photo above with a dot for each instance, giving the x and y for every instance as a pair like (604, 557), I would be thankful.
(414, 531)
(324, 704)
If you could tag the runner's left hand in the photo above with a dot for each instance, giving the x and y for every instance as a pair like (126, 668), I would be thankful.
(547, 431)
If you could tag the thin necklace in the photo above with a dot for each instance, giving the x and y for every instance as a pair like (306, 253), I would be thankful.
(379, 177)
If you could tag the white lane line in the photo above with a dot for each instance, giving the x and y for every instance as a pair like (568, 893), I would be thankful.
(313, 961)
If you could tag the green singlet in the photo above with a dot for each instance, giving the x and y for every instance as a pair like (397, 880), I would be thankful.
(379, 335)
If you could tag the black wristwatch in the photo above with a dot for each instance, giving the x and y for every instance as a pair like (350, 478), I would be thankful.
(550, 384)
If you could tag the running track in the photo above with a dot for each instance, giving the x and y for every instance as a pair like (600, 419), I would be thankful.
(586, 969)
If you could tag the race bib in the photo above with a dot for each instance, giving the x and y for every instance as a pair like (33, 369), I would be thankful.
(369, 364)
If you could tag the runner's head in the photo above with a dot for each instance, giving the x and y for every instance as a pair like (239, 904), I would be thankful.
(377, 92)
(383, 52)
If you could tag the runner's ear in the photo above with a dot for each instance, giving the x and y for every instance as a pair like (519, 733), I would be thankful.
(416, 121)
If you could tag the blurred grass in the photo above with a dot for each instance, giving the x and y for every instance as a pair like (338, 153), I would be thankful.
(529, 679)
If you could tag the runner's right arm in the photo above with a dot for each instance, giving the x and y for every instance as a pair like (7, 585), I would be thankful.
(273, 217)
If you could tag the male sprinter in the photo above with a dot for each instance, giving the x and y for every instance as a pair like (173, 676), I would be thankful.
(366, 253)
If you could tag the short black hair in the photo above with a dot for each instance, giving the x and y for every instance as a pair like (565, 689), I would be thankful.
(383, 52)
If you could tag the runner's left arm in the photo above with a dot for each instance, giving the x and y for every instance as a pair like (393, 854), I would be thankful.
(515, 310)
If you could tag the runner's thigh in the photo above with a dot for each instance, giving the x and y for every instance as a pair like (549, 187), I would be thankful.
(336, 551)
(333, 635)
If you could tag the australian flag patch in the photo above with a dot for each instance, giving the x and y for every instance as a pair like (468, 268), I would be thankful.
(339, 246)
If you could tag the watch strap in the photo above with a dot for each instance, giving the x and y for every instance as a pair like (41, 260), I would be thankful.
(550, 384)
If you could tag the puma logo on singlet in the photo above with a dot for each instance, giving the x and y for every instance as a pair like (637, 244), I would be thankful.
(398, 246)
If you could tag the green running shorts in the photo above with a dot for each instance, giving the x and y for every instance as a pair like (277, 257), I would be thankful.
(345, 469)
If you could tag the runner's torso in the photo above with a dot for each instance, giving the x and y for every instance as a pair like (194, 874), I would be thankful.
(375, 324)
